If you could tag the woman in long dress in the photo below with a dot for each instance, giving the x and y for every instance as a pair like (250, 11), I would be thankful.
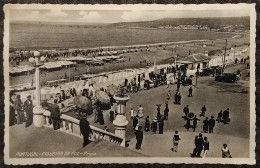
(140, 112)
(147, 124)
(154, 125)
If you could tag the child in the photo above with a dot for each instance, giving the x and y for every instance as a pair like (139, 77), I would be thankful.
(176, 139)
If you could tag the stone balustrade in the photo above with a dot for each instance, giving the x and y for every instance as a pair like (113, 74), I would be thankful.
(71, 125)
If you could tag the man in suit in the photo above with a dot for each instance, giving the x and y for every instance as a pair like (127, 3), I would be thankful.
(18, 105)
(186, 111)
(55, 115)
(85, 129)
(139, 138)
(211, 124)
(28, 109)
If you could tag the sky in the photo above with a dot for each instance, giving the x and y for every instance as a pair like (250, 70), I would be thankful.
(114, 16)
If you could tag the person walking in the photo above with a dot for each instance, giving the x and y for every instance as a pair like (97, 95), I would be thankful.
(158, 115)
(100, 116)
(226, 116)
(140, 111)
(206, 147)
(206, 125)
(225, 152)
(178, 85)
(55, 115)
(132, 114)
(198, 145)
(179, 99)
(219, 118)
(187, 126)
(18, 105)
(28, 109)
(139, 138)
(190, 92)
(176, 140)
(203, 111)
(85, 129)
(166, 112)
(12, 118)
(211, 124)
(176, 98)
(161, 125)
(147, 124)
(186, 111)
(169, 95)
(154, 125)
(135, 121)
(195, 121)
(112, 115)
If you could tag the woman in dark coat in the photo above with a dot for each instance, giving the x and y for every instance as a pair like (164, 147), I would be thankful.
(135, 121)
(154, 125)
(206, 125)
(147, 124)
(139, 138)
(12, 117)
(161, 124)
(100, 117)
(166, 112)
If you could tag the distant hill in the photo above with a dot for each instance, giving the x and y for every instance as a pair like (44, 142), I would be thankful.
(81, 24)
(212, 23)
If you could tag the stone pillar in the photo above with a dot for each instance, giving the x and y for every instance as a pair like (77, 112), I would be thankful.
(38, 118)
(120, 121)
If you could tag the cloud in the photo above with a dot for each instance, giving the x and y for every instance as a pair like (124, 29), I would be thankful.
(56, 13)
(89, 16)
(144, 15)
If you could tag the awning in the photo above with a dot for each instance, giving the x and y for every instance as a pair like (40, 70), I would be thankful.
(184, 62)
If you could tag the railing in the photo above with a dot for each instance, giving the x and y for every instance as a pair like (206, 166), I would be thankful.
(71, 126)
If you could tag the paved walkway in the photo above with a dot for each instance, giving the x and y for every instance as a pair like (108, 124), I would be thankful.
(33, 139)
(164, 144)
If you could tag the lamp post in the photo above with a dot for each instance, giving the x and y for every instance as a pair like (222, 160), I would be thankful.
(38, 119)
(120, 121)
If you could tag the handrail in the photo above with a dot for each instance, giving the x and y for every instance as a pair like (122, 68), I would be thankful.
(71, 125)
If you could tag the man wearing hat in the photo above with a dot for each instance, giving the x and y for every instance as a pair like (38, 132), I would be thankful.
(186, 111)
(139, 138)
(211, 124)
(85, 129)
(28, 109)
(55, 115)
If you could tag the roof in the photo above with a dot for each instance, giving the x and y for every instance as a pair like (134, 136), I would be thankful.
(196, 58)
(184, 62)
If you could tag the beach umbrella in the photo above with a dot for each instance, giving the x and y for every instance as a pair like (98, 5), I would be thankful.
(83, 103)
(191, 115)
(112, 90)
(103, 100)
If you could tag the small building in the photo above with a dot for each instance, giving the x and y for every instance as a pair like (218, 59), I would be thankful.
(195, 60)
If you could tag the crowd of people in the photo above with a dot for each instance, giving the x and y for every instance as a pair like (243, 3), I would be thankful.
(20, 112)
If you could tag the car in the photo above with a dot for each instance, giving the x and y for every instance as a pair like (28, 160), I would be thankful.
(97, 63)
(227, 77)
(206, 72)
